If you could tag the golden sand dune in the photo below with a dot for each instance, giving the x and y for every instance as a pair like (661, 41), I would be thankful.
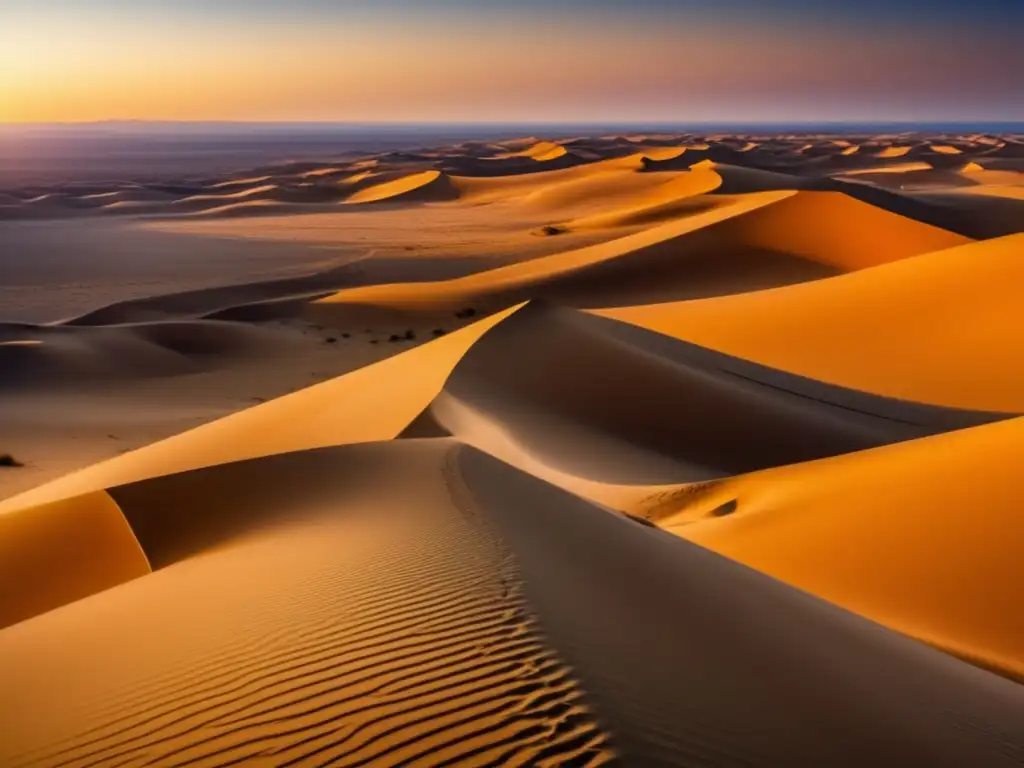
(695, 256)
(534, 392)
(368, 615)
(57, 553)
(612, 182)
(489, 385)
(514, 164)
(251, 181)
(921, 536)
(936, 328)
(413, 603)
(595, 182)
(756, 241)
(711, 663)
(895, 151)
(615, 202)
(422, 187)
(373, 403)
(541, 151)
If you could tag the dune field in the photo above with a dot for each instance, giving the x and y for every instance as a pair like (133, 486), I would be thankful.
(668, 450)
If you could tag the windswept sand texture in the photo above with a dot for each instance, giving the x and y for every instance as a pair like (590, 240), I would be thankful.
(862, 531)
(666, 449)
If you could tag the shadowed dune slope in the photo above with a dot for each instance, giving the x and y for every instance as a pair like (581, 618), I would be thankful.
(42, 357)
(364, 617)
(421, 603)
(976, 216)
(373, 403)
(938, 328)
(692, 660)
(57, 553)
(506, 385)
(757, 241)
(738, 180)
(592, 405)
(924, 536)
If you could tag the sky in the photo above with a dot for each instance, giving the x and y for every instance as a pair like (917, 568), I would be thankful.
(511, 60)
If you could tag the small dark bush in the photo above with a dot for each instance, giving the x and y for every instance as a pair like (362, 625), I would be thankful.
(725, 509)
(551, 230)
(374, 341)
(410, 335)
(440, 331)
(464, 313)
(331, 340)
(6, 460)
(395, 337)
(346, 335)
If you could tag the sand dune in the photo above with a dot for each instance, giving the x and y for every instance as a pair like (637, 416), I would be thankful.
(644, 449)
(489, 385)
(65, 356)
(534, 391)
(891, 152)
(711, 663)
(373, 403)
(422, 187)
(352, 627)
(541, 151)
(513, 165)
(921, 536)
(378, 628)
(755, 241)
(57, 553)
(626, 270)
(936, 328)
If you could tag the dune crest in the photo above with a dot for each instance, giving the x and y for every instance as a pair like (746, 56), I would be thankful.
(933, 328)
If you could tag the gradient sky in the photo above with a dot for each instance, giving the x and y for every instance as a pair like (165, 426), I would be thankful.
(511, 60)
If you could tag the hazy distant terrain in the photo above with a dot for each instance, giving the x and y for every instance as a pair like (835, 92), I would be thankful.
(40, 154)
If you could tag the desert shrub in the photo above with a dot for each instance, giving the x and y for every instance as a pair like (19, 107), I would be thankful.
(6, 460)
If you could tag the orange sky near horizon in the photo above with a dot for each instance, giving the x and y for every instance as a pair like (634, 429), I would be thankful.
(60, 69)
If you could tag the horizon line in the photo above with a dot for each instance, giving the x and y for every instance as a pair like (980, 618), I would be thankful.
(518, 122)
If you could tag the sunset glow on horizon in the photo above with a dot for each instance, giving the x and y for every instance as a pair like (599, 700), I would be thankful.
(458, 61)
